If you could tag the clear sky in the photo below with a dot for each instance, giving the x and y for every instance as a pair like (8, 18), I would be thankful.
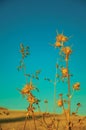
(34, 23)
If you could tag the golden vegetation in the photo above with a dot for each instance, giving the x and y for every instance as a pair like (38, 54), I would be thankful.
(49, 121)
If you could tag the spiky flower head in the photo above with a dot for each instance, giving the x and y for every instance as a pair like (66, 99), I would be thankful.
(64, 72)
(78, 104)
(60, 103)
(67, 50)
(57, 44)
(61, 38)
(76, 86)
(27, 88)
(31, 99)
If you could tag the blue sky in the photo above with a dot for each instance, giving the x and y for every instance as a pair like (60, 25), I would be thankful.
(34, 23)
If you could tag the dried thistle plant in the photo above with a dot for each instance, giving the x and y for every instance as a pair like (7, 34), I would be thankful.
(26, 91)
(62, 74)
(65, 52)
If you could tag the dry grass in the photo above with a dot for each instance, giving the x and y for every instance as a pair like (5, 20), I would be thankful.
(15, 121)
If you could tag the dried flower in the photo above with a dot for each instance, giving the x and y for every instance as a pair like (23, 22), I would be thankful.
(61, 38)
(57, 44)
(27, 88)
(76, 86)
(60, 102)
(67, 50)
(64, 72)
(31, 99)
(78, 104)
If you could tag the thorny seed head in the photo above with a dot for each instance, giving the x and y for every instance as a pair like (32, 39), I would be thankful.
(60, 103)
(64, 72)
(76, 86)
(57, 44)
(27, 88)
(31, 99)
(78, 104)
(61, 38)
(67, 50)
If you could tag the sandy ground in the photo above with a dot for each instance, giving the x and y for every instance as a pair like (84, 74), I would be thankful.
(15, 120)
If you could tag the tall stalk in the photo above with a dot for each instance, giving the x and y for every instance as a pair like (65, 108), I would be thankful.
(27, 89)
(25, 122)
(69, 92)
(54, 97)
(34, 120)
(55, 83)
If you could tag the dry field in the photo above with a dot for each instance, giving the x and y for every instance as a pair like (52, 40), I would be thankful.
(15, 120)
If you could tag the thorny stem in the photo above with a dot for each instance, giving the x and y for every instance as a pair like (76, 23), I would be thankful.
(39, 109)
(25, 122)
(48, 124)
(77, 109)
(64, 110)
(54, 97)
(65, 113)
(0, 127)
(24, 70)
(46, 108)
(58, 125)
(44, 120)
(55, 91)
(34, 121)
(72, 93)
(69, 92)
